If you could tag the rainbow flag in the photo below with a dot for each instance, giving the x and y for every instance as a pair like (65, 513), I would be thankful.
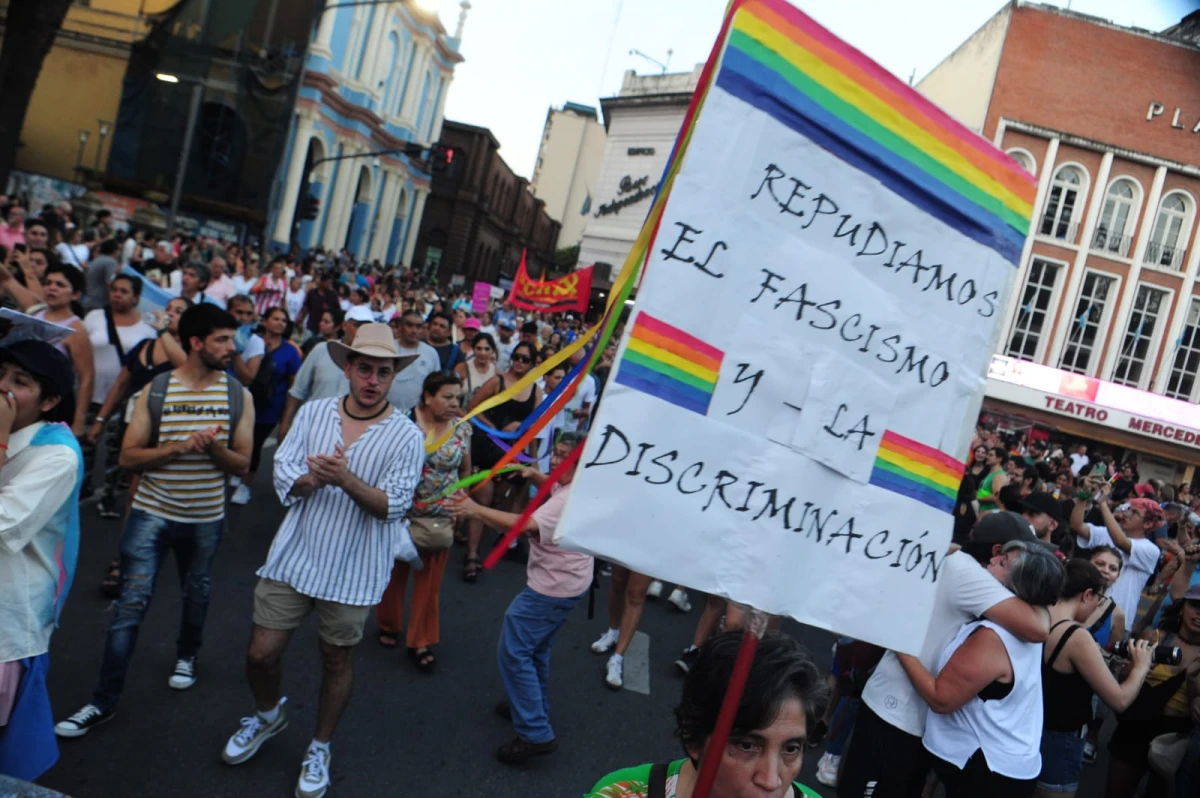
(666, 362)
(783, 63)
(917, 471)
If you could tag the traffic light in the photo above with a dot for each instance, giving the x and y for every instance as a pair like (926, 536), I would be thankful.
(310, 207)
(441, 157)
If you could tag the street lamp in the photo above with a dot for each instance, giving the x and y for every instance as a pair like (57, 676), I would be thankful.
(188, 134)
(104, 128)
(83, 140)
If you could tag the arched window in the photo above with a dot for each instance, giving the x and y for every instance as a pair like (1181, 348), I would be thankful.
(1025, 159)
(1113, 232)
(1060, 219)
(1168, 239)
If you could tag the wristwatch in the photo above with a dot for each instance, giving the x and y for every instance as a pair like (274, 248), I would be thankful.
(100, 419)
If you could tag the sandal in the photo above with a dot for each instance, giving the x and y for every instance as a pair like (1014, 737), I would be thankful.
(424, 658)
(111, 586)
(471, 569)
(388, 639)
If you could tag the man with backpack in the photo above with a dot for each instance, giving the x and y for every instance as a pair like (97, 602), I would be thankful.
(190, 428)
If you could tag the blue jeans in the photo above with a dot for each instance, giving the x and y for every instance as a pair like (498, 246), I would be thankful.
(842, 725)
(1062, 760)
(144, 546)
(530, 625)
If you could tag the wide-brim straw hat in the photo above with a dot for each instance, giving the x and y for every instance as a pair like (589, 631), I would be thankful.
(371, 340)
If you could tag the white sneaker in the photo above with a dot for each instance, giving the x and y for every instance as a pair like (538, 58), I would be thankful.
(234, 481)
(655, 589)
(614, 675)
(255, 731)
(827, 770)
(314, 773)
(241, 495)
(606, 641)
(679, 599)
(184, 675)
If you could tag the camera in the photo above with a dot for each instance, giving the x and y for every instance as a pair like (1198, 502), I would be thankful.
(1159, 655)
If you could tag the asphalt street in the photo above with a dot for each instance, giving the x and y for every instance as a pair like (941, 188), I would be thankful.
(404, 733)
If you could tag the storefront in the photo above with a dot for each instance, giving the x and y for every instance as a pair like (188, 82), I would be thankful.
(1163, 432)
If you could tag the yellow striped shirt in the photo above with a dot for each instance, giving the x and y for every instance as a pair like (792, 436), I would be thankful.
(190, 488)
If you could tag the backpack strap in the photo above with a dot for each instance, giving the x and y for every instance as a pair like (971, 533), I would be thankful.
(237, 401)
(113, 338)
(155, 402)
(1108, 611)
(658, 781)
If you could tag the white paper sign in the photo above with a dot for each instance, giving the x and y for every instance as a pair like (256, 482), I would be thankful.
(797, 388)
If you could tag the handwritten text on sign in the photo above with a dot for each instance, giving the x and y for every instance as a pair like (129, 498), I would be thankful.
(798, 385)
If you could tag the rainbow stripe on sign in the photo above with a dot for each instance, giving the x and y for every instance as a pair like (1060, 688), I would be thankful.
(666, 362)
(789, 67)
(918, 471)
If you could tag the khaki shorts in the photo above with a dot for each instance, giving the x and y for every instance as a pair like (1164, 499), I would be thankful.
(279, 606)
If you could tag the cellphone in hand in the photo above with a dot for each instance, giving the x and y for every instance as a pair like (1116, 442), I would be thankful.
(20, 248)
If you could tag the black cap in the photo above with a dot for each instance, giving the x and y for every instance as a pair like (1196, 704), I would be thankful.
(530, 327)
(1042, 502)
(1002, 527)
(42, 360)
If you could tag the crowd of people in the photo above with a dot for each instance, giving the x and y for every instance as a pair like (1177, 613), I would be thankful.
(1072, 593)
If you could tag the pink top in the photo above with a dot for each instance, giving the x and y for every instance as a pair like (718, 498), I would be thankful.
(553, 571)
(8, 236)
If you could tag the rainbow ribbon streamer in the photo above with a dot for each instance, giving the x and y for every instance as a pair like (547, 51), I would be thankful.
(467, 482)
(600, 334)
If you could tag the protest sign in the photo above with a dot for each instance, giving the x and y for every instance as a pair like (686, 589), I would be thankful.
(480, 295)
(795, 394)
(569, 293)
(16, 326)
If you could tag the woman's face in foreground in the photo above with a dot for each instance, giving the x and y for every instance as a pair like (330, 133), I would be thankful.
(764, 762)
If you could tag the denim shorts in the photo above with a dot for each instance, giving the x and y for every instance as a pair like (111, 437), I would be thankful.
(1062, 761)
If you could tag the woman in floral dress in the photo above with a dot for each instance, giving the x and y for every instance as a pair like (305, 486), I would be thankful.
(429, 523)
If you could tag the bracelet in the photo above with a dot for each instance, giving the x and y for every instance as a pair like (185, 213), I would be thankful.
(4, 446)
(100, 419)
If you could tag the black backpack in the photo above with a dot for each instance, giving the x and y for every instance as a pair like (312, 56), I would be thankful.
(263, 384)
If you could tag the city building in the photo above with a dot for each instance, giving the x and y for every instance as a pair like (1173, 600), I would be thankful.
(86, 63)
(481, 216)
(642, 122)
(568, 163)
(1101, 337)
(375, 83)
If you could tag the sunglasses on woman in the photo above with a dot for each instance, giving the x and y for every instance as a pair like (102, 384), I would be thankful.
(521, 359)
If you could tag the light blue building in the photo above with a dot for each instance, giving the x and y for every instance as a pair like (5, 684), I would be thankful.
(376, 79)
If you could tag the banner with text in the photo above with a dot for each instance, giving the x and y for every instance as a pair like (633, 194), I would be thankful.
(794, 397)
(570, 293)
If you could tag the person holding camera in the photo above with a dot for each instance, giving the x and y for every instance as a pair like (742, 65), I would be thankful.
(1164, 704)
(1073, 669)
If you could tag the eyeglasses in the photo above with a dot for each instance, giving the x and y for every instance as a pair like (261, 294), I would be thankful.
(365, 371)
(521, 359)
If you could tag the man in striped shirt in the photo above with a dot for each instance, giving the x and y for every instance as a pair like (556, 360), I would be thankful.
(346, 472)
(179, 502)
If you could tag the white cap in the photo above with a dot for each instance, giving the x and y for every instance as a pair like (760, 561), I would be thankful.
(360, 313)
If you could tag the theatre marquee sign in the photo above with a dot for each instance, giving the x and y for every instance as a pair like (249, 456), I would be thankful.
(1088, 399)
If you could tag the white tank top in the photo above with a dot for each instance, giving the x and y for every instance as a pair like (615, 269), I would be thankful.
(1009, 729)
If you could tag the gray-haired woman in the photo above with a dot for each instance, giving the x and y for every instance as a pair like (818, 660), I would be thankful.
(984, 727)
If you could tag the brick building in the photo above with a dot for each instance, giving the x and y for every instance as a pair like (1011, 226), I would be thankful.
(480, 215)
(1108, 119)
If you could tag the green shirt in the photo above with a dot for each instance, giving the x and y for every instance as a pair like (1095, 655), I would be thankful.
(635, 783)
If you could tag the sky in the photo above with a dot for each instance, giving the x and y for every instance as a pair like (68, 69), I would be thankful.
(524, 56)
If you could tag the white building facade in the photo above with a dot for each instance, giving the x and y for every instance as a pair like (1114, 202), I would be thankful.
(375, 81)
(642, 122)
(568, 164)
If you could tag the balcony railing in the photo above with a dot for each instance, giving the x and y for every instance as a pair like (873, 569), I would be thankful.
(1111, 243)
(1063, 231)
(1165, 257)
